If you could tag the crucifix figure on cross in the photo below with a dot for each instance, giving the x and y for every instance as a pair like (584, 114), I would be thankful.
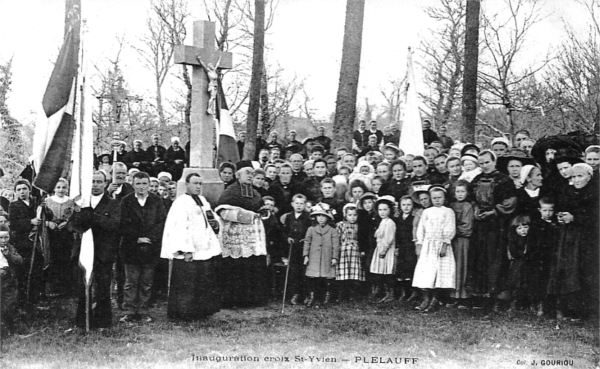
(205, 76)
(212, 72)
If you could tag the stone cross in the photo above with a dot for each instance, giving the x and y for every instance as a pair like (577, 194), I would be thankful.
(202, 130)
(203, 124)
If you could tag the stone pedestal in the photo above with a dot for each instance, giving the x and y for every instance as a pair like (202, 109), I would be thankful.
(212, 185)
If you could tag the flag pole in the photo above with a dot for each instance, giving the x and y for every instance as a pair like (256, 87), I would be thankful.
(1, 313)
(35, 244)
(87, 284)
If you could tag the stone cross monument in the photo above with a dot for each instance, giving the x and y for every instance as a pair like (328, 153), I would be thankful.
(202, 53)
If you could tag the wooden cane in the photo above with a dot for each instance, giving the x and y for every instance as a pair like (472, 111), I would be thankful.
(287, 273)
(169, 279)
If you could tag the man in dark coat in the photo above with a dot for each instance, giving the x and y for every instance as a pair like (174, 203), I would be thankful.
(103, 217)
(323, 140)
(283, 189)
(137, 158)
(156, 156)
(311, 186)
(428, 134)
(293, 146)
(446, 141)
(142, 221)
(241, 142)
(360, 137)
(374, 131)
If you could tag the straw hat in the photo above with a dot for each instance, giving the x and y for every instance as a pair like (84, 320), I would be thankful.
(321, 209)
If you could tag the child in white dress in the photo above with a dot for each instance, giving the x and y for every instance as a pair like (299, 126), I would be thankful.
(384, 261)
(436, 267)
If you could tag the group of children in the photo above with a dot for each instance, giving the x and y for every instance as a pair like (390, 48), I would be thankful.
(415, 250)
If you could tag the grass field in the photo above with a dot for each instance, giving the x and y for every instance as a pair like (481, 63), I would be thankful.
(349, 335)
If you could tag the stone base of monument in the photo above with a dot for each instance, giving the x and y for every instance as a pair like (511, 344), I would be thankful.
(212, 185)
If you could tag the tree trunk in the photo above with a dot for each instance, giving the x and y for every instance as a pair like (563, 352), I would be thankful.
(265, 116)
(159, 105)
(255, 80)
(469, 106)
(345, 106)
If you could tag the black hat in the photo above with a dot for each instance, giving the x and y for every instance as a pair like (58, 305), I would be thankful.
(513, 154)
(468, 147)
(244, 164)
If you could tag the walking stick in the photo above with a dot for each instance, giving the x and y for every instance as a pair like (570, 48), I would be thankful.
(287, 273)
(169, 279)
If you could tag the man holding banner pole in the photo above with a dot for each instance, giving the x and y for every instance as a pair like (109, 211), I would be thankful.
(103, 218)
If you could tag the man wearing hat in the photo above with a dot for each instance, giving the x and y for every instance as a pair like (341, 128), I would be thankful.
(156, 155)
(137, 158)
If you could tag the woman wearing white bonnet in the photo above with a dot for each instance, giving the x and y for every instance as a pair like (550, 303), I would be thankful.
(575, 260)
(175, 159)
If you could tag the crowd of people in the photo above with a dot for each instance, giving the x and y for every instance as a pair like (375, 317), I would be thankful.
(513, 226)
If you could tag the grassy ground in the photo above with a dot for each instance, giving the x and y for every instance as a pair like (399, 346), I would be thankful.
(351, 333)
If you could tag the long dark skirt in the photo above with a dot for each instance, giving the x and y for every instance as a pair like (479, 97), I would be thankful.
(564, 276)
(406, 260)
(195, 292)
(245, 281)
(60, 271)
(516, 278)
(486, 257)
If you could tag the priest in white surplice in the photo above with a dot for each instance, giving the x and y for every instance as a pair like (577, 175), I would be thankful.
(190, 241)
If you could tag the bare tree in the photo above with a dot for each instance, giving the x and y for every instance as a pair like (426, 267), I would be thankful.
(574, 80)
(503, 40)
(235, 19)
(345, 106)
(443, 58)
(157, 54)
(174, 15)
(393, 98)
